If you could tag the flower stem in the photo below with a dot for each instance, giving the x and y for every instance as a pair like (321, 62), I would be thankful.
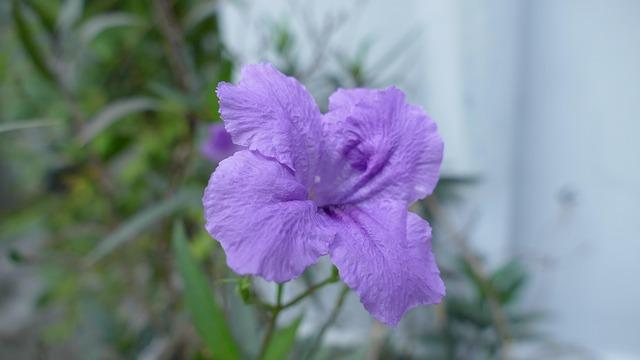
(271, 326)
(279, 307)
(309, 291)
(327, 324)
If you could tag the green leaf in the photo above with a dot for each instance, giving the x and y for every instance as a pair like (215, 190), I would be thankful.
(199, 13)
(140, 222)
(246, 324)
(70, 12)
(27, 38)
(112, 113)
(509, 280)
(93, 27)
(207, 317)
(243, 288)
(283, 341)
(170, 96)
(460, 309)
(526, 317)
(284, 40)
(474, 278)
(15, 256)
(27, 124)
(46, 11)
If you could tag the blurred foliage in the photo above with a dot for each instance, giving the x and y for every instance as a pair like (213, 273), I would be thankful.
(103, 105)
(207, 317)
(471, 328)
(105, 101)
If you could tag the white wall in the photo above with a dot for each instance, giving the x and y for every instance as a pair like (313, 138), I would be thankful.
(492, 58)
(578, 138)
(429, 68)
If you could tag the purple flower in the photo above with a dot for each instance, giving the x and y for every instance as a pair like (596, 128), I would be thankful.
(340, 183)
(218, 145)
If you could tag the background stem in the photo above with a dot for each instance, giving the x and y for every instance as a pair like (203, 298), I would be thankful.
(271, 326)
(327, 324)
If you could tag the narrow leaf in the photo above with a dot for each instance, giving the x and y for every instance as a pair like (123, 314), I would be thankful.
(207, 317)
(93, 27)
(46, 11)
(27, 124)
(27, 39)
(463, 310)
(70, 12)
(173, 95)
(283, 341)
(140, 222)
(509, 280)
(112, 113)
(200, 12)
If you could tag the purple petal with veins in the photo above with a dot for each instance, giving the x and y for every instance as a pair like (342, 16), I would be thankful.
(337, 184)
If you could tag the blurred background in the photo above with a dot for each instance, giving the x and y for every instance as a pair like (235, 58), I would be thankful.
(104, 105)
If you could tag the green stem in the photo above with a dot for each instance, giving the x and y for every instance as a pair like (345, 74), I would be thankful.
(310, 291)
(271, 326)
(279, 307)
(327, 324)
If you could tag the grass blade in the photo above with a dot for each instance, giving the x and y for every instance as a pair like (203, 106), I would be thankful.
(112, 113)
(27, 124)
(140, 222)
(93, 27)
(200, 12)
(207, 317)
(70, 13)
(283, 341)
(28, 41)
(46, 11)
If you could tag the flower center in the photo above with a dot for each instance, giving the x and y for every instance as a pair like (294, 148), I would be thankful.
(312, 190)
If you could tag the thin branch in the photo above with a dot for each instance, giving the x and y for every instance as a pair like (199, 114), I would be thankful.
(176, 48)
(498, 316)
(184, 77)
(321, 39)
(329, 322)
(309, 291)
(378, 337)
(271, 326)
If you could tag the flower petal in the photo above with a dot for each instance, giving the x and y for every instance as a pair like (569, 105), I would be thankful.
(383, 252)
(218, 145)
(377, 145)
(274, 115)
(263, 219)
